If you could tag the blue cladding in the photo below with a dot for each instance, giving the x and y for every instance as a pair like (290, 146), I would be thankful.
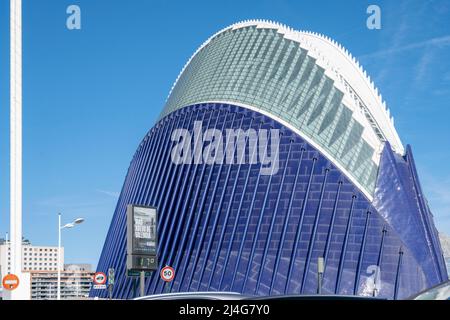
(400, 201)
(227, 227)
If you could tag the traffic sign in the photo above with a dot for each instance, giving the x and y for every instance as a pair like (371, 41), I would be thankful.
(167, 273)
(99, 286)
(137, 273)
(10, 282)
(100, 278)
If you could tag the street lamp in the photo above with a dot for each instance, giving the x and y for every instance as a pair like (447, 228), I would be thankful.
(66, 226)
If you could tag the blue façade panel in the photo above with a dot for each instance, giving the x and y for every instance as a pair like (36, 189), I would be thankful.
(227, 227)
(400, 201)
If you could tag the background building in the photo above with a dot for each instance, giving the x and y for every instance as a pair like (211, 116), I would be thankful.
(34, 258)
(76, 281)
(346, 189)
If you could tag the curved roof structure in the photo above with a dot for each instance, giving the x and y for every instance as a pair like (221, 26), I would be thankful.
(305, 80)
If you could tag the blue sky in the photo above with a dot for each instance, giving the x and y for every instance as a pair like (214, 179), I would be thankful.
(90, 95)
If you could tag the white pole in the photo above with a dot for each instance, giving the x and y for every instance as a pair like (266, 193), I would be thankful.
(16, 136)
(58, 290)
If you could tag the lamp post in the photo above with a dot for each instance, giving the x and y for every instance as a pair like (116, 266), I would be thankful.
(66, 226)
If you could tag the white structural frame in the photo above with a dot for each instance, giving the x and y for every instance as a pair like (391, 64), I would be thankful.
(16, 140)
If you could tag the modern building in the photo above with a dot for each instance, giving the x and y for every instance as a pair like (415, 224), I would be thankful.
(275, 149)
(76, 282)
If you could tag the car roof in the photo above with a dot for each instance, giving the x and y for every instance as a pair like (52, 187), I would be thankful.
(214, 295)
(209, 295)
(430, 290)
(315, 297)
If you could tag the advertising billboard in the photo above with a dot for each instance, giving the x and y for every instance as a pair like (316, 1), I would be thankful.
(142, 238)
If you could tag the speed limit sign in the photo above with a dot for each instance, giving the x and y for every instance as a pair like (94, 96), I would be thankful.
(167, 273)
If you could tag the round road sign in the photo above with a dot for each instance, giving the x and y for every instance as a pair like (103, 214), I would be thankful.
(10, 282)
(167, 273)
(100, 278)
